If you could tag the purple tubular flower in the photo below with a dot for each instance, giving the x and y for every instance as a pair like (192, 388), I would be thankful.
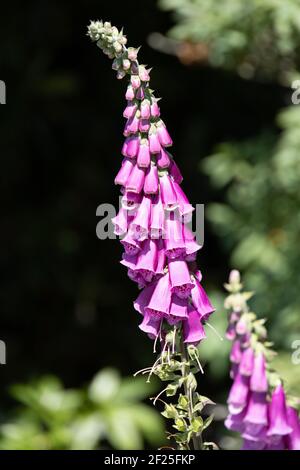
(143, 157)
(130, 110)
(184, 206)
(159, 304)
(121, 222)
(135, 81)
(236, 422)
(279, 425)
(131, 147)
(174, 242)
(178, 310)
(159, 249)
(247, 362)
(144, 125)
(161, 258)
(135, 182)
(140, 224)
(145, 109)
(151, 180)
(230, 332)
(180, 278)
(143, 298)
(163, 159)
(124, 172)
(257, 412)
(154, 140)
(238, 395)
(130, 201)
(175, 173)
(140, 94)
(201, 301)
(191, 246)
(157, 219)
(163, 134)
(258, 381)
(155, 111)
(129, 93)
(131, 246)
(253, 445)
(132, 125)
(236, 353)
(193, 331)
(146, 263)
(293, 439)
(168, 194)
(150, 325)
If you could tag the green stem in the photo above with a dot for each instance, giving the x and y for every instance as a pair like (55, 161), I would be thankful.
(197, 440)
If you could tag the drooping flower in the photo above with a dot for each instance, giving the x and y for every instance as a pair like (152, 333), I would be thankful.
(159, 249)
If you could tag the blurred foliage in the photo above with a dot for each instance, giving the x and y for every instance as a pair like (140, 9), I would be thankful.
(258, 38)
(108, 412)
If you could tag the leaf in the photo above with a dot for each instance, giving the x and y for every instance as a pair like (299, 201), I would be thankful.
(150, 423)
(170, 411)
(136, 389)
(104, 386)
(196, 424)
(208, 421)
(122, 431)
(87, 431)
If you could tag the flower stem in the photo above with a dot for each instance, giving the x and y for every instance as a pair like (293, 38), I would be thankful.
(197, 440)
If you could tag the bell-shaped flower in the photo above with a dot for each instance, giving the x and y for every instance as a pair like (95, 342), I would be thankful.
(180, 278)
(278, 422)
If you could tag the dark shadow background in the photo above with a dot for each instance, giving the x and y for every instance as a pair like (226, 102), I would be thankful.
(66, 302)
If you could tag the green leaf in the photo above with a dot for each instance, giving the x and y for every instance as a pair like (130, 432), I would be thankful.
(122, 431)
(105, 386)
(87, 431)
(208, 421)
(170, 411)
(150, 424)
(196, 424)
(134, 389)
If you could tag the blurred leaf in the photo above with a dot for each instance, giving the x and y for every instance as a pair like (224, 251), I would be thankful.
(104, 386)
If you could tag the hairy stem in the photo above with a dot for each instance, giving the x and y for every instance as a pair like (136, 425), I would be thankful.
(197, 440)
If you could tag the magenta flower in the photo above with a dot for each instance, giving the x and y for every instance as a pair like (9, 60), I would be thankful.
(256, 410)
(159, 249)
(258, 381)
(279, 425)
(293, 438)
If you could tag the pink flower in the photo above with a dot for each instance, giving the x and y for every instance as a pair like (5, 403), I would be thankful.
(168, 194)
(157, 219)
(163, 134)
(279, 425)
(193, 331)
(135, 182)
(154, 140)
(247, 361)
(180, 278)
(293, 439)
(140, 224)
(145, 109)
(151, 180)
(201, 301)
(155, 111)
(143, 157)
(238, 395)
(131, 147)
(163, 160)
(124, 172)
(258, 381)
(159, 304)
(236, 353)
(130, 110)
